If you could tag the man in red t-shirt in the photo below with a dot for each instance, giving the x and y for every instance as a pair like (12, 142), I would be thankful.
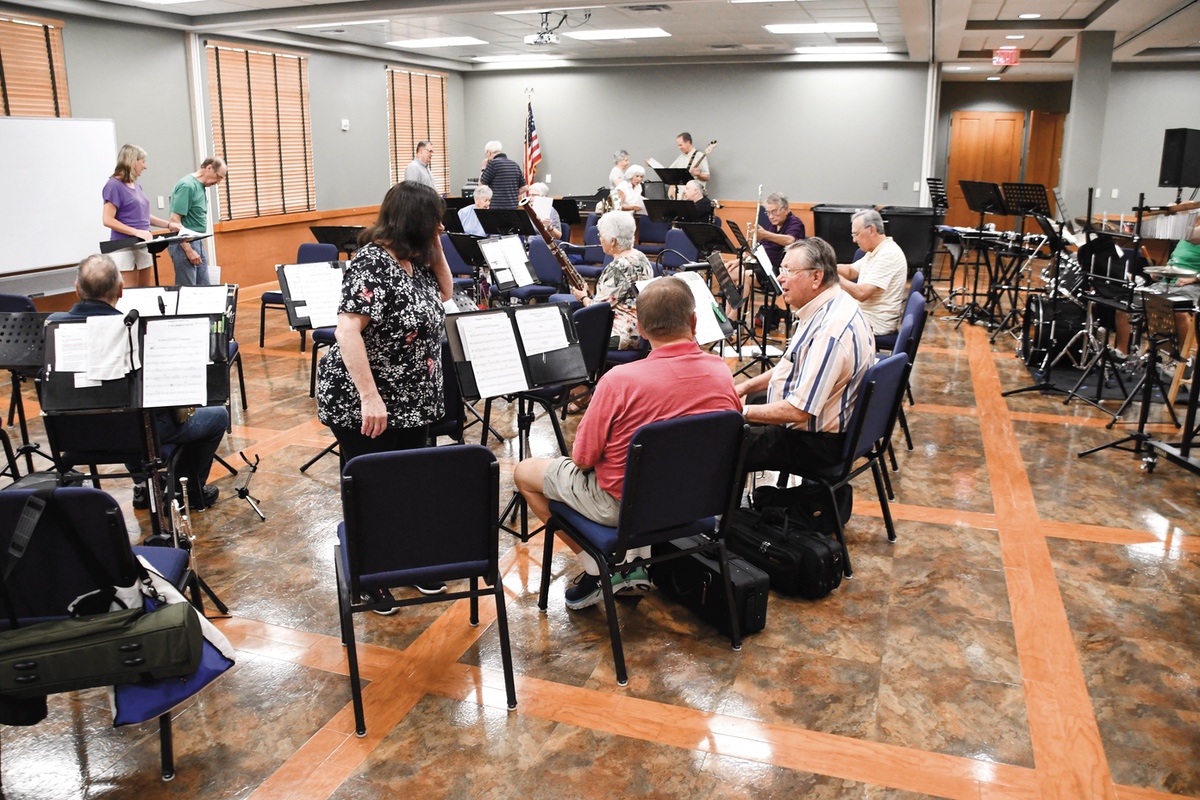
(677, 379)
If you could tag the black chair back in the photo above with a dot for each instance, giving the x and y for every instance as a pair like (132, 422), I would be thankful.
(109, 437)
(679, 471)
(875, 411)
(594, 325)
(451, 424)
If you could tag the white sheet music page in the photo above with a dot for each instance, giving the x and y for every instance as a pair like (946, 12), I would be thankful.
(108, 348)
(760, 255)
(541, 329)
(319, 286)
(145, 300)
(542, 206)
(708, 329)
(493, 253)
(654, 163)
(70, 348)
(517, 260)
(490, 344)
(176, 354)
(203, 300)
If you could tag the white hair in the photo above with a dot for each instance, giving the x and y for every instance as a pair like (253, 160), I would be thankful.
(617, 226)
(492, 147)
(540, 189)
(483, 192)
(634, 170)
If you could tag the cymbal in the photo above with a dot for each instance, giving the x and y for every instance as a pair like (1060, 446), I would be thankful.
(1173, 272)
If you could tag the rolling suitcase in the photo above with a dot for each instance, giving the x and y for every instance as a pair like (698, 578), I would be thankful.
(695, 582)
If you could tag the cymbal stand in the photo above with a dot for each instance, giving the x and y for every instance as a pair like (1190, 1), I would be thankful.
(1103, 359)
(1015, 288)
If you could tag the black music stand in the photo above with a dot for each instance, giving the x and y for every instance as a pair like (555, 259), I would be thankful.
(1160, 329)
(672, 211)
(451, 221)
(155, 246)
(457, 203)
(568, 210)
(584, 203)
(505, 221)
(1045, 384)
(343, 237)
(707, 238)
(983, 198)
(673, 176)
(1027, 199)
(1179, 453)
(22, 345)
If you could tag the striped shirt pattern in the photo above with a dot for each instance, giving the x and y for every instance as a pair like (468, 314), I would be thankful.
(503, 176)
(825, 362)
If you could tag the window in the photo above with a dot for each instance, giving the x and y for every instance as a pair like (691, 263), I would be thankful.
(33, 73)
(417, 110)
(260, 119)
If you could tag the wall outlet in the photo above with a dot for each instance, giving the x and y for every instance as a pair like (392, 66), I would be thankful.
(916, 186)
(1097, 194)
(161, 204)
(885, 184)
(345, 124)
(547, 178)
(1114, 194)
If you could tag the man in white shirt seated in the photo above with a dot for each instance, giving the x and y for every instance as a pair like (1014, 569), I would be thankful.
(877, 279)
(466, 214)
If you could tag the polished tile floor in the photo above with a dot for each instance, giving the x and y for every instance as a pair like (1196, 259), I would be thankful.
(1032, 633)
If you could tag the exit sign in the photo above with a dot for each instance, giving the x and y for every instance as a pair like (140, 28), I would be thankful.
(1006, 58)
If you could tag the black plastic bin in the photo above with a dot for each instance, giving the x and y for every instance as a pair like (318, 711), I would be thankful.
(913, 229)
(832, 223)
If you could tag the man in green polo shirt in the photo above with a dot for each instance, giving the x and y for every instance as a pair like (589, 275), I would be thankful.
(189, 207)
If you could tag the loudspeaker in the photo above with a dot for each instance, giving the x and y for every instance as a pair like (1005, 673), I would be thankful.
(1180, 158)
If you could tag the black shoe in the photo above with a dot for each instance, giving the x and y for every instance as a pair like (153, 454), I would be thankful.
(141, 497)
(208, 496)
(431, 588)
(378, 596)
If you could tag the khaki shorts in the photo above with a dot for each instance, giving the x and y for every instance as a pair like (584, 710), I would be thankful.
(567, 483)
(132, 258)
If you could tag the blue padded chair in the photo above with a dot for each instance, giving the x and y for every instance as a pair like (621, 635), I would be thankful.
(591, 260)
(547, 271)
(309, 253)
(679, 250)
(652, 236)
(396, 532)
(462, 272)
(870, 429)
(615, 358)
(52, 573)
(452, 422)
(887, 341)
(680, 475)
(566, 233)
(571, 300)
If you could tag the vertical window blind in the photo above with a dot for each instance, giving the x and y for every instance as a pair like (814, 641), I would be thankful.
(417, 111)
(261, 127)
(33, 73)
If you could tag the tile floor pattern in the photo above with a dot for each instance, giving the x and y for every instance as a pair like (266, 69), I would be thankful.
(1032, 633)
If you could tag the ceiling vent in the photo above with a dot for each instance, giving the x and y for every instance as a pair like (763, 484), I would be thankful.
(648, 8)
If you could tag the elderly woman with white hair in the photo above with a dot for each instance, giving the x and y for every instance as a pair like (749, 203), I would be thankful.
(552, 220)
(617, 284)
(630, 189)
(620, 164)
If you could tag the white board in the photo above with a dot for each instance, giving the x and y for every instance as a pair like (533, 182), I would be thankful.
(54, 171)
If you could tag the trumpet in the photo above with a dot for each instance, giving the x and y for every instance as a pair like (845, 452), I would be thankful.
(752, 227)
(181, 521)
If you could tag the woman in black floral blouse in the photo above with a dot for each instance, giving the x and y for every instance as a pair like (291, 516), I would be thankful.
(380, 386)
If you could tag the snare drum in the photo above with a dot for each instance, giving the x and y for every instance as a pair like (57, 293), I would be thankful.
(1046, 330)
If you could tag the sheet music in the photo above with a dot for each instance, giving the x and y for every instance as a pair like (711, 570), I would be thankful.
(176, 353)
(109, 353)
(708, 329)
(70, 348)
(517, 259)
(490, 345)
(190, 234)
(653, 162)
(203, 300)
(315, 289)
(145, 300)
(542, 206)
(541, 329)
(494, 257)
(760, 255)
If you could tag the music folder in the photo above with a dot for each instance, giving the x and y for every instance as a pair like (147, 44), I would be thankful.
(311, 293)
(508, 262)
(509, 350)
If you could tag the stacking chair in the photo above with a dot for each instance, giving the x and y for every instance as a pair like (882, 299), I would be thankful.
(547, 271)
(652, 236)
(870, 428)
(680, 475)
(887, 341)
(592, 259)
(309, 253)
(51, 573)
(462, 272)
(322, 338)
(452, 423)
(396, 532)
(678, 251)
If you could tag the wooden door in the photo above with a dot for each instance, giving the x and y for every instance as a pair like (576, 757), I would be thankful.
(984, 146)
(1045, 150)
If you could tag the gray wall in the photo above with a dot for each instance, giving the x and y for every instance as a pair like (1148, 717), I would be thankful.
(1142, 103)
(817, 133)
(137, 77)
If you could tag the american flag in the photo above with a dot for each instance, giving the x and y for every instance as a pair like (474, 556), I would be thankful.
(533, 152)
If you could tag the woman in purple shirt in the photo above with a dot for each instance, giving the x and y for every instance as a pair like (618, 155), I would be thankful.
(127, 212)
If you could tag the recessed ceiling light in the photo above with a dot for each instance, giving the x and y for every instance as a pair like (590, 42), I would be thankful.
(1015, 36)
(1008, 47)
(963, 69)
(994, 78)
(516, 58)
(824, 27)
(344, 24)
(618, 33)
(735, 2)
(845, 49)
(546, 10)
(448, 41)
(1029, 16)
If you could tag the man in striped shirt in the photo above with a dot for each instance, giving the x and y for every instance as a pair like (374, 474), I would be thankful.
(810, 394)
(503, 176)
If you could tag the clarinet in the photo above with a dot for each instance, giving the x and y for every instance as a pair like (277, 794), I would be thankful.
(572, 275)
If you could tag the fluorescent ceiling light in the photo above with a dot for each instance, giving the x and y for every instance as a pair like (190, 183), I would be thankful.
(1008, 47)
(547, 10)
(449, 41)
(344, 24)
(1015, 36)
(735, 2)
(994, 78)
(1029, 16)
(618, 33)
(516, 58)
(963, 69)
(845, 50)
(824, 27)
